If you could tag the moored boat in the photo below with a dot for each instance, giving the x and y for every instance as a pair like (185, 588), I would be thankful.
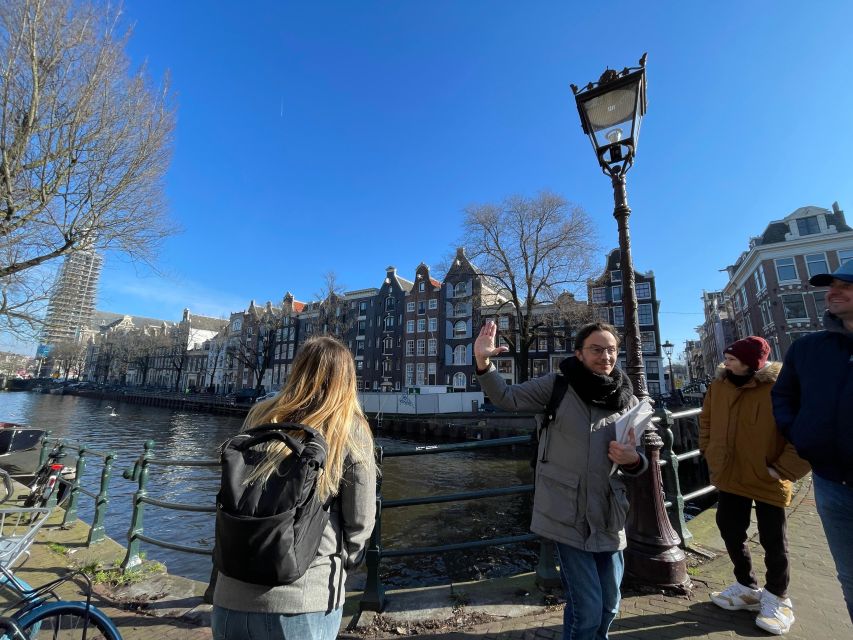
(19, 447)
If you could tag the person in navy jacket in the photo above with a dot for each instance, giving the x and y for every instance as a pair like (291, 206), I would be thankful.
(813, 406)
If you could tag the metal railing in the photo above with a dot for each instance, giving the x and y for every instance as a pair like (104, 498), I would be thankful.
(373, 597)
(374, 592)
(82, 455)
(139, 474)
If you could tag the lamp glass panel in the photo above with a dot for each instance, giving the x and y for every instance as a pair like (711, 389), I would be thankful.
(611, 116)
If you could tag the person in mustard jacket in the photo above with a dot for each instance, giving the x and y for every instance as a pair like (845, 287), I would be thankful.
(750, 461)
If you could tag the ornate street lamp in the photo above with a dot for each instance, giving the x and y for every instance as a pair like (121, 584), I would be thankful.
(667, 350)
(611, 111)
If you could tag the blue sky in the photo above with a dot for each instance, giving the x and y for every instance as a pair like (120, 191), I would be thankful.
(348, 136)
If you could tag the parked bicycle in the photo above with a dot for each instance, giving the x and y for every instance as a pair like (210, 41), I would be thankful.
(40, 613)
(51, 477)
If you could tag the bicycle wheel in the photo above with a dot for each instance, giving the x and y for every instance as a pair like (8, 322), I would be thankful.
(67, 621)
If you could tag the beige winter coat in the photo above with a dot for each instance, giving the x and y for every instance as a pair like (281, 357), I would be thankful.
(739, 439)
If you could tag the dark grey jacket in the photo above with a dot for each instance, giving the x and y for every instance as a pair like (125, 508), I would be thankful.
(576, 501)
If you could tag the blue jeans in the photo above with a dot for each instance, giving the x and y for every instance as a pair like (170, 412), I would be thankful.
(591, 581)
(835, 506)
(228, 624)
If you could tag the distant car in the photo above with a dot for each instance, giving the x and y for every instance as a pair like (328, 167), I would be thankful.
(266, 396)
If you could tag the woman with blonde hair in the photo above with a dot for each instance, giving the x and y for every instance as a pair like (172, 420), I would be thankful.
(320, 393)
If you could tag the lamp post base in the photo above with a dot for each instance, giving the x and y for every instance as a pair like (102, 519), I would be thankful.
(660, 567)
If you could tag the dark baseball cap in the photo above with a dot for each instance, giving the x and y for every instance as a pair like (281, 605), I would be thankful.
(844, 272)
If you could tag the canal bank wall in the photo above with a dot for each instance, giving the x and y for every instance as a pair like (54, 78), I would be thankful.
(439, 426)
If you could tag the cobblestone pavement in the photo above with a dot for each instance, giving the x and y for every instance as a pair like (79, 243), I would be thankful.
(818, 604)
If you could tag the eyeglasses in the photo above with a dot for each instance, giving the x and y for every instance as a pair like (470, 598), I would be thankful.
(597, 351)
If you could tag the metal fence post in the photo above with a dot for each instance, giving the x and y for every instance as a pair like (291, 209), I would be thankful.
(140, 474)
(74, 489)
(96, 532)
(546, 568)
(373, 598)
(671, 482)
(43, 453)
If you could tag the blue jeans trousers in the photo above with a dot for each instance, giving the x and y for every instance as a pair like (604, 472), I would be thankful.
(228, 624)
(835, 506)
(591, 581)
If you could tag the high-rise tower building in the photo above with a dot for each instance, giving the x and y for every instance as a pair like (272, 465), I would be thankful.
(72, 301)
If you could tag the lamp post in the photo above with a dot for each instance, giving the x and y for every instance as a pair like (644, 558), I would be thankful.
(611, 111)
(667, 350)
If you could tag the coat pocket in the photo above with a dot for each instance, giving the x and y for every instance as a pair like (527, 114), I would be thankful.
(617, 508)
(556, 493)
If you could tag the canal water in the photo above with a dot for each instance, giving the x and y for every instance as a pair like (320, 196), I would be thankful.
(185, 435)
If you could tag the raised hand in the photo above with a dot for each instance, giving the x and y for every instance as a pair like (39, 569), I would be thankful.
(484, 345)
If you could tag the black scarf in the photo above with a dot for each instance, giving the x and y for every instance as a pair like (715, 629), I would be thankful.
(611, 392)
(737, 380)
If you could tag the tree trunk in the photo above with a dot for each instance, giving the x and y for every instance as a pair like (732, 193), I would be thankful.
(522, 364)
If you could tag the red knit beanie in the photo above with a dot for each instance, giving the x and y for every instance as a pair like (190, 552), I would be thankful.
(753, 351)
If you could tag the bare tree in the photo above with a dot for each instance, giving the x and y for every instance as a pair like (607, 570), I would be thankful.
(530, 250)
(328, 314)
(68, 356)
(256, 346)
(143, 349)
(84, 145)
(218, 347)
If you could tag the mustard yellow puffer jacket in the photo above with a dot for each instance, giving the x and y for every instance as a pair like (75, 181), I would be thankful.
(739, 439)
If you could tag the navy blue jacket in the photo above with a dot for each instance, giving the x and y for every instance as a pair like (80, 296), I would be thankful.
(813, 400)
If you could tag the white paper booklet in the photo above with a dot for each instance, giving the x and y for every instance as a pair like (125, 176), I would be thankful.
(638, 419)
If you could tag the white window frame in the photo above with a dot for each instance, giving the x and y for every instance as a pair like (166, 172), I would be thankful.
(644, 290)
(648, 342)
(460, 333)
(793, 266)
(421, 347)
(410, 347)
(619, 316)
(421, 325)
(759, 279)
(433, 303)
(460, 355)
(432, 347)
(599, 295)
(410, 374)
(809, 263)
(616, 293)
(460, 380)
(410, 326)
(651, 309)
(805, 315)
(503, 323)
(410, 307)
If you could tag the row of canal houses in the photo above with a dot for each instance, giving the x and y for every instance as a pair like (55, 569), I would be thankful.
(403, 334)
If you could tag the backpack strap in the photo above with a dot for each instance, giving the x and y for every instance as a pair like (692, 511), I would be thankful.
(275, 431)
(561, 384)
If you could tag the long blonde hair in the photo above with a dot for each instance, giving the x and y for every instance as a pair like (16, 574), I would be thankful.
(320, 393)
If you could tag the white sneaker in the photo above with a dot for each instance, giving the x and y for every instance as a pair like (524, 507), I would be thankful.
(777, 614)
(737, 597)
